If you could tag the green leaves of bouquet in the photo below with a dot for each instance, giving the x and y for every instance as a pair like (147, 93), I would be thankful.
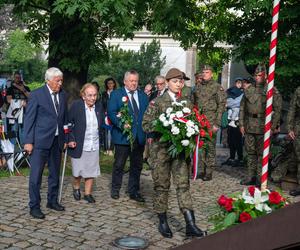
(240, 208)
(126, 120)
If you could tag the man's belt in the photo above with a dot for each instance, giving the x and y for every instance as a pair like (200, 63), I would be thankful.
(256, 115)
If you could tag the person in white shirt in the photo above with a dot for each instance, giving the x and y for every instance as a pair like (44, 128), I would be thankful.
(86, 116)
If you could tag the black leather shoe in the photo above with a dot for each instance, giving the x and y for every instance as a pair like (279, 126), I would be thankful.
(89, 198)
(55, 206)
(228, 162)
(137, 197)
(115, 195)
(295, 192)
(37, 213)
(76, 194)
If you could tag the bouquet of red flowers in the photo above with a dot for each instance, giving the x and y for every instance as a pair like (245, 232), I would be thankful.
(239, 208)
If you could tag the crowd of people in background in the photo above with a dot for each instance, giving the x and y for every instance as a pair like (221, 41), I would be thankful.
(39, 119)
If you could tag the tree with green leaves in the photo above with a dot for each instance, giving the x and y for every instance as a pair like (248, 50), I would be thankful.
(21, 54)
(147, 62)
(77, 30)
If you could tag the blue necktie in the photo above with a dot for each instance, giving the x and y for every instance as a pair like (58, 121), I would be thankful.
(134, 105)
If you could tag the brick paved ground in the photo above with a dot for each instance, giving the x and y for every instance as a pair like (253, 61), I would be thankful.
(86, 226)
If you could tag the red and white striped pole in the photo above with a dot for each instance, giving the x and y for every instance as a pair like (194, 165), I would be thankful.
(272, 60)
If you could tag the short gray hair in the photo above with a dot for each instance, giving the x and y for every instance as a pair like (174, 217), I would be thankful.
(130, 72)
(159, 77)
(52, 72)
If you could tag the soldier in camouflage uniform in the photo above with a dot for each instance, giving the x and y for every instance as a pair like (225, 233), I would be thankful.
(293, 126)
(252, 122)
(164, 166)
(209, 97)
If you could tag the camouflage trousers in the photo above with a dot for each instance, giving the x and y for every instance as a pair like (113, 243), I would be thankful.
(163, 168)
(207, 158)
(297, 154)
(254, 144)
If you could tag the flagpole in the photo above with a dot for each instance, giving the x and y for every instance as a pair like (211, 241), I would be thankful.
(269, 108)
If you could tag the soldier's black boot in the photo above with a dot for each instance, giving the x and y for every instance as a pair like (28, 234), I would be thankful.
(163, 226)
(250, 182)
(191, 229)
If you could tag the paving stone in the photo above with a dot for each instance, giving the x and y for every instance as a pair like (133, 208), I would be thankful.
(95, 226)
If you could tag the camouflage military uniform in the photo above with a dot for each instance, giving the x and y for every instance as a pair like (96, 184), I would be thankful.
(163, 165)
(252, 118)
(293, 124)
(209, 96)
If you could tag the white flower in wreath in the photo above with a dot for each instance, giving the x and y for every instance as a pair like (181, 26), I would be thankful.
(177, 104)
(169, 110)
(259, 200)
(165, 123)
(172, 116)
(196, 128)
(190, 131)
(186, 110)
(183, 102)
(171, 121)
(179, 114)
(190, 123)
(175, 130)
(185, 143)
(162, 118)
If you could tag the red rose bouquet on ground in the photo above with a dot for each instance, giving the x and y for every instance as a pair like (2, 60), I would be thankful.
(242, 207)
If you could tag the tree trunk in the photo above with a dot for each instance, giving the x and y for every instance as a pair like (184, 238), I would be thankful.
(69, 51)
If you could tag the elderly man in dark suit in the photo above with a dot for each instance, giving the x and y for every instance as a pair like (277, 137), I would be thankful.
(44, 121)
(138, 104)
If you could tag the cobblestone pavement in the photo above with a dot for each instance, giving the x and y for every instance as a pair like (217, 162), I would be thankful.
(95, 226)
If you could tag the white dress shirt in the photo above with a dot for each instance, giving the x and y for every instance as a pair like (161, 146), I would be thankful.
(135, 96)
(91, 137)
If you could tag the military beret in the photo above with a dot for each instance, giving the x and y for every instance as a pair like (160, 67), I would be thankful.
(185, 77)
(174, 73)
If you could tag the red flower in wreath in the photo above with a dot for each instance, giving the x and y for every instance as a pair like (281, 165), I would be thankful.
(228, 205)
(222, 200)
(275, 198)
(251, 190)
(244, 216)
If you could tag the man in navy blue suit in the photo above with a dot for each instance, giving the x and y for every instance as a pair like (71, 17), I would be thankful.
(138, 105)
(45, 117)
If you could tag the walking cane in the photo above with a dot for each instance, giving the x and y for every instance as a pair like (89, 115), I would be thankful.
(62, 176)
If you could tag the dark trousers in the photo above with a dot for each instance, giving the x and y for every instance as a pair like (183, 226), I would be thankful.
(136, 164)
(38, 159)
(235, 142)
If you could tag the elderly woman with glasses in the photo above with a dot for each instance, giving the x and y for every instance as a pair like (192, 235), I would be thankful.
(85, 116)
